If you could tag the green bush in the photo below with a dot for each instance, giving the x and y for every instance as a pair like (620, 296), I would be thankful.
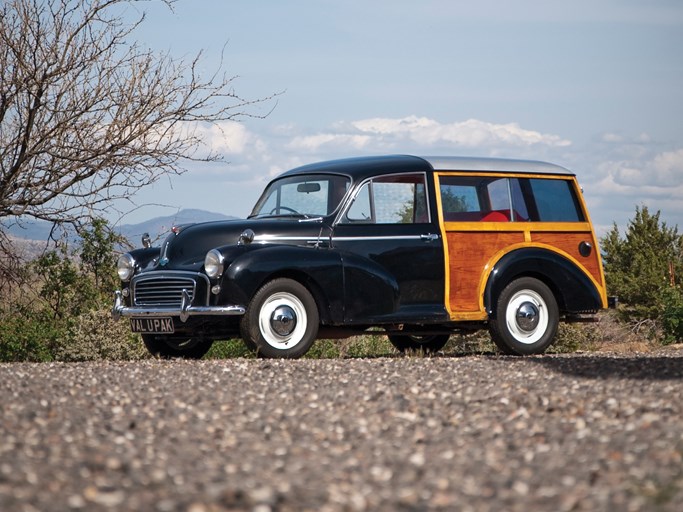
(96, 336)
(672, 314)
(25, 339)
(643, 269)
(58, 306)
(574, 337)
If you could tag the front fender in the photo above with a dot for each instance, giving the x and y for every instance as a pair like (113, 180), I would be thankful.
(319, 270)
(574, 290)
(145, 257)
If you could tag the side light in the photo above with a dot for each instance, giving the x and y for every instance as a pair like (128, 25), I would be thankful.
(246, 237)
(213, 263)
(125, 267)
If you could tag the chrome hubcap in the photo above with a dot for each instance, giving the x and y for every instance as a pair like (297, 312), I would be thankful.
(527, 316)
(283, 320)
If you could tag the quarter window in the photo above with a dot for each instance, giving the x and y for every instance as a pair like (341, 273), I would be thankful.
(555, 201)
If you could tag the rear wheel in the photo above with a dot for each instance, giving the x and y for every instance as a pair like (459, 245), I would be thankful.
(281, 320)
(169, 347)
(429, 344)
(526, 318)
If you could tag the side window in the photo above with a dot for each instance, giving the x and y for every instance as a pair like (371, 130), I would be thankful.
(553, 201)
(398, 199)
(475, 198)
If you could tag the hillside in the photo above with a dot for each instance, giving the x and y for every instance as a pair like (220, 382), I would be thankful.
(159, 226)
(156, 227)
(30, 237)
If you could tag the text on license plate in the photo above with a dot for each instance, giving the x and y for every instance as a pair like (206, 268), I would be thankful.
(152, 325)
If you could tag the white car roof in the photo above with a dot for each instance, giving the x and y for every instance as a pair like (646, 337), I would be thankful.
(457, 163)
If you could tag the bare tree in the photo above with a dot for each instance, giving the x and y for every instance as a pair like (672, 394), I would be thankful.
(86, 117)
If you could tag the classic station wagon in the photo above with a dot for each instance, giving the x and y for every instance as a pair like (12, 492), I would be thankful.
(417, 247)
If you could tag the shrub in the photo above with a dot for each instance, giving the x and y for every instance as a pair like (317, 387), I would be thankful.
(25, 339)
(575, 337)
(672, 314)
(644, 269)
(95, 336)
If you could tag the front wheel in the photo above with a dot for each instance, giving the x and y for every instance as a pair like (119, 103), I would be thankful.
(281, 320)
(525, 318)
(170, 347)
(429, 344)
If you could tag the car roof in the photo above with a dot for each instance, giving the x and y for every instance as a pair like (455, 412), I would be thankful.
(459, 163)
(362, 167)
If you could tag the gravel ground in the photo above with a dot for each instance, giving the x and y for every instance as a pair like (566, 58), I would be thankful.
(581, 432)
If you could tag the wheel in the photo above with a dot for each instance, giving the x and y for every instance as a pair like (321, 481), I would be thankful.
(168, 347)
(281, 320)
(429, 344)
(526, 318)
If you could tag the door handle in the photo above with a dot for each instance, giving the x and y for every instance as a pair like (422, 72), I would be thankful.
(429, 237)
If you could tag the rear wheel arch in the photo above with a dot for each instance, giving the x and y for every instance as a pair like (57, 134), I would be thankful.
(572, 288)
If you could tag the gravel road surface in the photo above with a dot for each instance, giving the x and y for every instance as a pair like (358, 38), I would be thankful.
(580, 432)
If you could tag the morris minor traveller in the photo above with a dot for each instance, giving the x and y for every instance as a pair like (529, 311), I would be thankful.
(418, 247)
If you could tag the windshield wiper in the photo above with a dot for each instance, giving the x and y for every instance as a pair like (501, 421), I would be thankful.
(277, 215)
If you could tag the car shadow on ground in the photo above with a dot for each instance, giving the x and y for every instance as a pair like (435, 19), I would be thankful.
(599, 366)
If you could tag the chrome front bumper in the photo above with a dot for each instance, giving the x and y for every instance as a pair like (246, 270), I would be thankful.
(184, 312)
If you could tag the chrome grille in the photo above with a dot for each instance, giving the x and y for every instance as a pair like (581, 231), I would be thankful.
(162, 290)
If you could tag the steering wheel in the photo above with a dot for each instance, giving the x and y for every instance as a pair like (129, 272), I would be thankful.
(287, 208)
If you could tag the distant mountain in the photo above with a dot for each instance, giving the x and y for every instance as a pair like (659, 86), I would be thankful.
(156, 227)
(159, 226)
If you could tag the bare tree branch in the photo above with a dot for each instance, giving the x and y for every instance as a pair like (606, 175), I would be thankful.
(86, 118)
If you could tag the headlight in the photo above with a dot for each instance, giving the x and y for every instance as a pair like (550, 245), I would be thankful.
(125, 267)
(213, 263)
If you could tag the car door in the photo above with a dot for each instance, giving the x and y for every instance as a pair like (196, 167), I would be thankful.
(392, 252)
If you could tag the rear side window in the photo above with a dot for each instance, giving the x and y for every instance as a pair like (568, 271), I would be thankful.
(482, 198)
(500, 199)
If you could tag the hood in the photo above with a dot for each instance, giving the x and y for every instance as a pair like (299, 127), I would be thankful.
(186, 247)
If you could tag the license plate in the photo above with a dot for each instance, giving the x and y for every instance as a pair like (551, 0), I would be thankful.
(152, 325)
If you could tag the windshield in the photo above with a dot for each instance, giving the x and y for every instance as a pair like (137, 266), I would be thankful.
(312, 195)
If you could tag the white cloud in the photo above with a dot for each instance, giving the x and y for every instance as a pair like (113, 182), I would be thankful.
(228, 138)
(421, 132)
(470, 133)
(659, 174)
(668, 168)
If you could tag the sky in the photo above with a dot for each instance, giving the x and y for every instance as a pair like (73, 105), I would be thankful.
(593, 85)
